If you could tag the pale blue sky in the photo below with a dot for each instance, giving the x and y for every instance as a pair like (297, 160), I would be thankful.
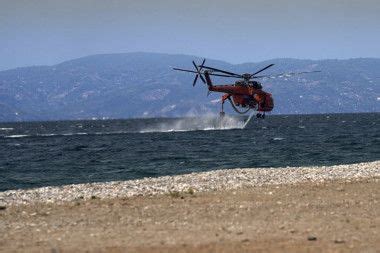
(39, 32)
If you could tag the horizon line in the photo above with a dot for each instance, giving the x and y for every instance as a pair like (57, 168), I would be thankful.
(190, 55)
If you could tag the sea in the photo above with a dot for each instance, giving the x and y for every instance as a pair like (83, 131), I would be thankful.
(36, 154)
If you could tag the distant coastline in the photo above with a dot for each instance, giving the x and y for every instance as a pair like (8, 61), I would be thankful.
(134, 85)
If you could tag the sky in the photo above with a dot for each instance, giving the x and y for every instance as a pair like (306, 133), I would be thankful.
(47, 32)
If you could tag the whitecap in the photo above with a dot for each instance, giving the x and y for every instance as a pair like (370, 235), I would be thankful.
(71, 134)
(46, 135)
(14, 144)
(17, 136)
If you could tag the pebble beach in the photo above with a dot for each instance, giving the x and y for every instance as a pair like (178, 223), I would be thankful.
(293, 209)
(196, 182)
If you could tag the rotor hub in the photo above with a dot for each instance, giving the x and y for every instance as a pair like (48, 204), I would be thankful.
(246, 76)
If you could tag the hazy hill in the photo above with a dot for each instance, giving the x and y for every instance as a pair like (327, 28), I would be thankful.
(143, 85)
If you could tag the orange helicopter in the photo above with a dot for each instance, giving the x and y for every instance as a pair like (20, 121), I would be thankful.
(246, 93)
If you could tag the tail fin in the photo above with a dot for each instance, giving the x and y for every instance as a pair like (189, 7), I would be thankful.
(208, 79)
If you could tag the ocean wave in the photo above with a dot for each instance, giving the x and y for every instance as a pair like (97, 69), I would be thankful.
(63, 134)
(17, 136)
(6, 128)
(41, 135)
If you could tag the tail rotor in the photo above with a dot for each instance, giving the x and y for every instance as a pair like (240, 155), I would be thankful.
(199, 73)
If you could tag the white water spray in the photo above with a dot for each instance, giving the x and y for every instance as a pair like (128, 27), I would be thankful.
(249, 119)
(199, 123)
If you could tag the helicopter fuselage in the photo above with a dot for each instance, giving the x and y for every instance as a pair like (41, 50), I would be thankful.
(244, 94)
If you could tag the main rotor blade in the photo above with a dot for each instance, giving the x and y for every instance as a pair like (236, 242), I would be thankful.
(270, 65)
(287, 74)
(222, 71)
(185, 70)
(212, 74)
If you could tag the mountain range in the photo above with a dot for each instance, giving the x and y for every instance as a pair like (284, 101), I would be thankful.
(134, 85)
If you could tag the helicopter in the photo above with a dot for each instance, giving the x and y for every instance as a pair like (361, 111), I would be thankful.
(245, 93)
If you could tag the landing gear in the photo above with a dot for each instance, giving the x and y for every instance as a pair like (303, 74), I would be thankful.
(260, 116)
(224, 97)
(222, 113)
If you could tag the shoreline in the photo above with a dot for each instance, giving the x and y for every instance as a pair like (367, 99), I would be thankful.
(226, 179)
(329, 216)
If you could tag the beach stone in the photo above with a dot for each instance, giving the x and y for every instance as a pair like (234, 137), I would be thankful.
(311, 238)
(225, 179)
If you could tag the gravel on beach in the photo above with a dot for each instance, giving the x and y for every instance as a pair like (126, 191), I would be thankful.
(226, 179)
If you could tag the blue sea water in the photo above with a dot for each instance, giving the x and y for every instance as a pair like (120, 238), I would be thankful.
(34, 154)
